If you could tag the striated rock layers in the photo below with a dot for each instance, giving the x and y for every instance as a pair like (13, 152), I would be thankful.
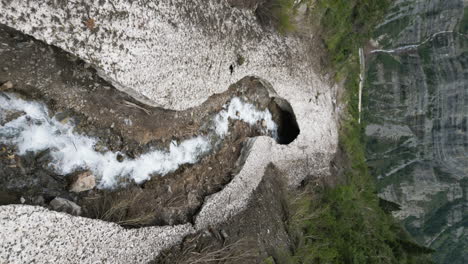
(417, 111)
(173, 55)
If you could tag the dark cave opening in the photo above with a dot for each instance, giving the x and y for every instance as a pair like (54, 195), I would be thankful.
(283, 115)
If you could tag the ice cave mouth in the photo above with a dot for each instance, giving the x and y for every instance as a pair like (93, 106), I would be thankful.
(284, 117)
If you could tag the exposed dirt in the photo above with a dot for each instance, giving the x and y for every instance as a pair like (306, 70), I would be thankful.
(72, 89)
(251, 236)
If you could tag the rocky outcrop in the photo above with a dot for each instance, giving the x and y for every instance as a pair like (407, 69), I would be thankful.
(417, 120)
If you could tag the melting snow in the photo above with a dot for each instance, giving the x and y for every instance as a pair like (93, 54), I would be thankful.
(238, 110)
(36, 131)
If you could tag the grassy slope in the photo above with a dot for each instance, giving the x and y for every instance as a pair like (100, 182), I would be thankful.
(345, 224)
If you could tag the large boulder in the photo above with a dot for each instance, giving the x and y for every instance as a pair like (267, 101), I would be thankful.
(83, 181)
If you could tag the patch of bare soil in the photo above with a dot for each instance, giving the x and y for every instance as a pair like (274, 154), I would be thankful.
(73, 90)
(255, 234)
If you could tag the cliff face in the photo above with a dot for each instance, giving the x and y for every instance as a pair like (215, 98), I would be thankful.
(417, 110)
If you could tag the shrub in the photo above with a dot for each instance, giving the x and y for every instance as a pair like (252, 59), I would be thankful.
(276, 13)
(347, 24)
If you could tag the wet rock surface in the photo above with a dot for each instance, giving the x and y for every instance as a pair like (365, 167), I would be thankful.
(417, 118)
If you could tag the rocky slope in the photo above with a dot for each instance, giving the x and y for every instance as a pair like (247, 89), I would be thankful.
(416, 116)
(175, 63)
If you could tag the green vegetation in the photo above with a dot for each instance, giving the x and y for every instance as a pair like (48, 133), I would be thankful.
(277, 13)
(463, 26)
(458, 247)
(397, 21)
(391, 30)
(240, 60)
(381, 146)
(347, 24)
(389, 62)
(424, 52)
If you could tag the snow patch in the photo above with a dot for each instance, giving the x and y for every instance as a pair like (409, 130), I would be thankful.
(238, 110)
(37, 131)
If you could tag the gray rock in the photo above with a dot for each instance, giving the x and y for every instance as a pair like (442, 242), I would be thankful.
(66, 206)
(83, 181)
(38, 200)
(224, 234)
(6, 86)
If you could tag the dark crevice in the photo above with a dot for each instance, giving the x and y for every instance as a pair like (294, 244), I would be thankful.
(284, 116)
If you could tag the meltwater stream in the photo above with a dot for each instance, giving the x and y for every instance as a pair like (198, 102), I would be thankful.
(34, 130)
